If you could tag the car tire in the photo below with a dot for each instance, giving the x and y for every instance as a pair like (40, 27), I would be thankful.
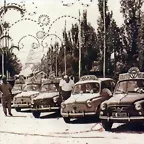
(18, 109)
(66, 119)
(36, 114)
(107, 125)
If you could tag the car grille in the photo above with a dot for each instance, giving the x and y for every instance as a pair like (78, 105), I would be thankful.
(44, 103)
(22, 101)
(124, 108)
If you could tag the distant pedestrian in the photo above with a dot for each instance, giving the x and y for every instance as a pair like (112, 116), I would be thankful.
(66, 87)
(0, 84)
(105, 91)
(6, 88)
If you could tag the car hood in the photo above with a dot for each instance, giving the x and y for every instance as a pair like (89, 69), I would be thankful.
(80, 98)
(125, 98)
(16, 91)
(46, 95)
(27, 94)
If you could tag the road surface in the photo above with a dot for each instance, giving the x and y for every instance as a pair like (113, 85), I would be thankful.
(23, 128)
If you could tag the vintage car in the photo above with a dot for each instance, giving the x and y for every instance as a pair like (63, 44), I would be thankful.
(86, 97)
(17, 88)
(48, 100)
(127, 103)
(23, 100)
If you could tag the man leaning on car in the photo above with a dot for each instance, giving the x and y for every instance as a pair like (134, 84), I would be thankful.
(66, 86)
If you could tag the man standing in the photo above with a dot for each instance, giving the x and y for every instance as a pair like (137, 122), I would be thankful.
(6, 88)
(66, 87)
(0, 91)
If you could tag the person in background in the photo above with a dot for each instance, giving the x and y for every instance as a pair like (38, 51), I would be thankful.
(0, 84)
(60, 85)
(66, 87)
(105, 91)
(6, 88)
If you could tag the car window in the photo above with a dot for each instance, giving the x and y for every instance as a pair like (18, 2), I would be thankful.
(32, 87)
(86, 88)
(50, 88)
(132, 86)
(107, 84)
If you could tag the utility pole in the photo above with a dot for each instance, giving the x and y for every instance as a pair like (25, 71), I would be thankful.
(80, 44)
(65, 49)
(104, 53)
(4, 42)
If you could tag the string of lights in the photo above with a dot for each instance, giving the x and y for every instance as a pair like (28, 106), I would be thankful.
(34, 45)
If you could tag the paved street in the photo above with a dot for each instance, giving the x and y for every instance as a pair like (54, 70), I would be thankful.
(23, 128)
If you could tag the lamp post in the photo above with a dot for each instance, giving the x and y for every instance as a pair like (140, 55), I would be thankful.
(104, 44)
(4, 42)
(80, 44)
(65, 62)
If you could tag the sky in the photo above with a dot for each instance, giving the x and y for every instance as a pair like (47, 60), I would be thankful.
(53, 9)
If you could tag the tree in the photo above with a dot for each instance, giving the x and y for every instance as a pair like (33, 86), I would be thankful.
(11, 63)
(131, 10)
(113, 38)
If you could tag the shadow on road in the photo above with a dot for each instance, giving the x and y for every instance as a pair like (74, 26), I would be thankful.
(51, 116)
(17, 116)
(85, 120)
(25, 111)
(129, 128)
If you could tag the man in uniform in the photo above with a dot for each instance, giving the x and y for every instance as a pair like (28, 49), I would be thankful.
(6, 88)
(66, 87)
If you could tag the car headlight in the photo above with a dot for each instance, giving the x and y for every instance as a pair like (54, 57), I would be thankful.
(103, 106)
(138, 106)
(35, 95)
(89, 103)
(63, 105)
(55, 99)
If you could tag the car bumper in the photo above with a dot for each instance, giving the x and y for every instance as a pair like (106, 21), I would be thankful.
(48, 109)
(21, 106)
(77, 115)
(121, 120)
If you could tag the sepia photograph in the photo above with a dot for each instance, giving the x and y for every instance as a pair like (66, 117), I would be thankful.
(71, 71)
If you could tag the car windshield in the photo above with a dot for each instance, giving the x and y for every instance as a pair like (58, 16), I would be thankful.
(32, 87)
(17, 87)
(130, 86)
(49, 88)
(86, 88)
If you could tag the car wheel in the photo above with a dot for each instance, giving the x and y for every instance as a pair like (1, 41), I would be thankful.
(18, 109)
(36, 114)
(66, 119)
(107, 125)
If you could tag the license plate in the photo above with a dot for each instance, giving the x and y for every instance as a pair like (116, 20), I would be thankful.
(119, 114)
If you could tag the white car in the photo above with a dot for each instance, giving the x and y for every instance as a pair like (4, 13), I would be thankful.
(23, 100)
(86, 97)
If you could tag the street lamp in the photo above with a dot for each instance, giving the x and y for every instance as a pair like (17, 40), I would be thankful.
(104, 53)
(80, 44)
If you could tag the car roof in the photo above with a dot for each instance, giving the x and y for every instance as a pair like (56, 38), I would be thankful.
(94, 81)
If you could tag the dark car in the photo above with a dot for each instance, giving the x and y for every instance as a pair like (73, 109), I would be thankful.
(48, 100)
(86, 97)
(127, 103)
